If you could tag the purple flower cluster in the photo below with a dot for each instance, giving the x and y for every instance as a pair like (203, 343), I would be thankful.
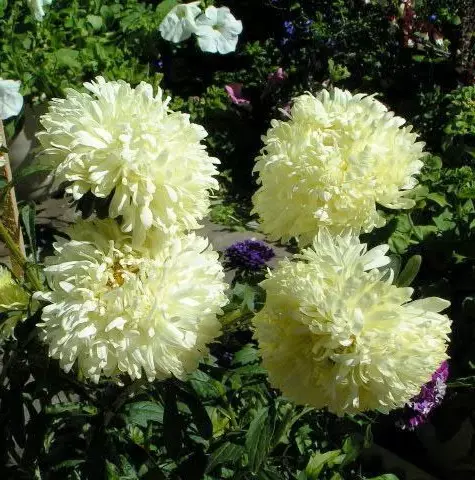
(248, 255)
(421, 406)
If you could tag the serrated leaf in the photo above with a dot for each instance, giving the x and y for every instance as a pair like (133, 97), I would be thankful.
(140, 413)
(248, 354)
(67, 57)
(409, 272)
(258, 438)
(205, 386)
(226, 453)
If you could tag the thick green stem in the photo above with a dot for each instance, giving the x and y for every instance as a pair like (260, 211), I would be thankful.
(18, 256)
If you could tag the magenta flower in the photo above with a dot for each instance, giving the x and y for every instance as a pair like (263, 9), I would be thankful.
(277, 77)
(234, 91)
(419, 409)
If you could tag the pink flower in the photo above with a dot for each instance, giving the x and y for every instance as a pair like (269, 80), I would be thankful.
(277, 77)
(234, 91)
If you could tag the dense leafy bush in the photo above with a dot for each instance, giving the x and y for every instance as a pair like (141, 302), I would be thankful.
(226, 420)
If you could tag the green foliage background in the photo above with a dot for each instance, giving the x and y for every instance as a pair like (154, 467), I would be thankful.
(226, 421)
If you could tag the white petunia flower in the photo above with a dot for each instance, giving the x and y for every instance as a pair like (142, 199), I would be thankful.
(217, 30)
(11, 100)
(330, 165)
(115, 310)
(126, 142)
(335, 332)
(179, 23)
(36, 7)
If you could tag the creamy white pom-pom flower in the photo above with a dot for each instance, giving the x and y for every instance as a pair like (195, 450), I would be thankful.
(330, 164)
(217, 30)
(335, 332)
(126, 143)
(116, 310)
(179, 23)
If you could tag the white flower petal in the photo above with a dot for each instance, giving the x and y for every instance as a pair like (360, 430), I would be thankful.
(11, 100)
(150, 311)
(333, 334)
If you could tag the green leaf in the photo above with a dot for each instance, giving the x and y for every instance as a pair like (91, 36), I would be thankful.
(283, 426)
(71, 408)
(23, 173)
(28, 217)
(95, 21)
(248, 354)
(163, 8)
(140, 413)
(386, 476)
(205, 386)
(269, 474)
(226, 453)
(67, 464)
(199, 413)
(318, 461)
(258, 438)
(112, 471)
(438, 198)
(409, 272)
(67, 57)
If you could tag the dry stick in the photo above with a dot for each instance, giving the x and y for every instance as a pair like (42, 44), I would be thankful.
(10, 218)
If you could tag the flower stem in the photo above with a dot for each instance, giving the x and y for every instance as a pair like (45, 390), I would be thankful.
(19, 258)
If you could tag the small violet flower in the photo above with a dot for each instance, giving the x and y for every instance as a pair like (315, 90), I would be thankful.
(418, 410)
(289, 27)
(234, 91)
(277, 77)
(248, 255)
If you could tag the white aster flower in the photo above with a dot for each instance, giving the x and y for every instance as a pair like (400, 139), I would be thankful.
(179, 23)
(11, 100)
(36, 7)
(13, 303)
(217, 30)
(117, 311)
(335, 332)
(126, 143)
(337, 157)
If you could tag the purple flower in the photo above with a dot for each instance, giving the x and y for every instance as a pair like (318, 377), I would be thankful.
(234, 91)
(289, 27)
(277, 77)
(248, 255)
(433, 17)
(307, 24)
(418, 410)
